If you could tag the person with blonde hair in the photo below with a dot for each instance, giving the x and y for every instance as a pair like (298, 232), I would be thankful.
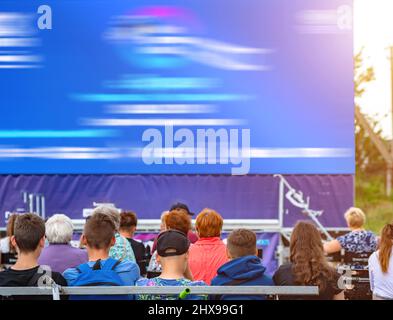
(209, 253)
(380, 266)
(358, 240)
(59, 254)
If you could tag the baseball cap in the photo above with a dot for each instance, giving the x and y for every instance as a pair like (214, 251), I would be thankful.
(173, 240)
(179, 205)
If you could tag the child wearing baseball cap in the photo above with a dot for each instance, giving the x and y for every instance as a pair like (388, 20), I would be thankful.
(172, 254)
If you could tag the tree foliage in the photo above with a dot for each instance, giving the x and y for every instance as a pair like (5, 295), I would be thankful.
(368, 159)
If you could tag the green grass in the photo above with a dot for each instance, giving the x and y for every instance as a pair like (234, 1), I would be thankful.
(371, 198)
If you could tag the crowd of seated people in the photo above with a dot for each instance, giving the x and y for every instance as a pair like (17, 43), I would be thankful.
(109, 255)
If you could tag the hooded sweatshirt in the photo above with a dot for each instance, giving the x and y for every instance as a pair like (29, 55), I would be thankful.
(243, 271)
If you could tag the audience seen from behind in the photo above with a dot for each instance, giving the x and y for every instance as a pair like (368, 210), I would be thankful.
(128, 224)
(110, 247)
(29, 239)
(244, 267)
(308, 265)
(59, 255)
(99, 236)
(209, 253)
(381, 266)
(172, 255)
(358, 240)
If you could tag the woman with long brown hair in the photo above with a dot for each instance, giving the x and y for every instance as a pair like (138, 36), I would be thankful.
(308, 265)
(380, 266)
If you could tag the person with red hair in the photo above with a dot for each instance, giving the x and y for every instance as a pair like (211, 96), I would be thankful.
(209, 252)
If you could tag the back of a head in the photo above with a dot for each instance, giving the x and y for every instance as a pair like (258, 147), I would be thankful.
(355, 218)
(241, 243)
(309, 264)
(305, 239)
(178, 220)
(180, 210)
(111, 212)
(59, 229)
(181, 207)
(128, 220)
(29, 229)
(172, 245)
(209, 223)
(385, 247)
(99, 231)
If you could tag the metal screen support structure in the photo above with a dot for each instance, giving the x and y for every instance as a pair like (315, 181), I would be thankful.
(296, 198)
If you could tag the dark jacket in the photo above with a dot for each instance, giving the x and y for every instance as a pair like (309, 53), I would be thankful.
(140, 254)
(244, 271)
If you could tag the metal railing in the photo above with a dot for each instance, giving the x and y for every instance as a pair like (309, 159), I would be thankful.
(265, 225)
(56, 291)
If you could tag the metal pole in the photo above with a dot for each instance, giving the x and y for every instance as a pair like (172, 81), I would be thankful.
(24, 196)
(43, 215)
(37, 205)
(31, 203)
(281, 190)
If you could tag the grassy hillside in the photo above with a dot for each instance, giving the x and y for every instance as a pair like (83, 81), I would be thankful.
(370, 196)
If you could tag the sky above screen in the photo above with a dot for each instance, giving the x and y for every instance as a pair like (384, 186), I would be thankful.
(373, 35)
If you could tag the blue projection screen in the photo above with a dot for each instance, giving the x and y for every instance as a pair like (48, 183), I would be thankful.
(176, 87)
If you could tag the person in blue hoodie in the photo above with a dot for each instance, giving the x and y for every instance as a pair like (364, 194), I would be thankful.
(244, 267)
